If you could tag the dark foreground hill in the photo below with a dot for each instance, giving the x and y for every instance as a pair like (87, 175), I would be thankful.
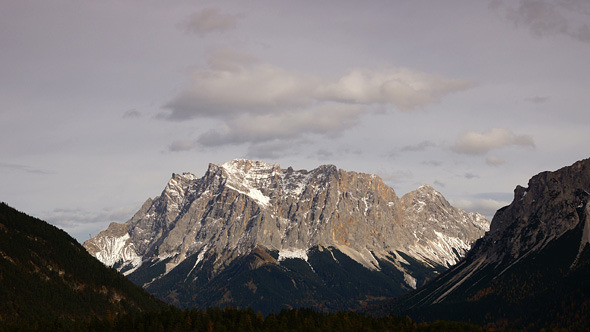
(531, 270)
(46, 277)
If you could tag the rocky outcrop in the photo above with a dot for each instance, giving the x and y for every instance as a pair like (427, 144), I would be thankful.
(242, 205)
(530, 269)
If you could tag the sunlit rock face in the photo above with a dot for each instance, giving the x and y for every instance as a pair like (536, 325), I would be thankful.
(244, 207)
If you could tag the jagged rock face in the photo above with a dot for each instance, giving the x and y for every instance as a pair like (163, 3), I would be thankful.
(240, 205)
(540, 213)
(533, 261)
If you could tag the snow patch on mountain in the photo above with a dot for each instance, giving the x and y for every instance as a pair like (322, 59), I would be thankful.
(255, 194)
(200, 257)
(363, 256)
(443, 249)
(292, 253)
(115, 250)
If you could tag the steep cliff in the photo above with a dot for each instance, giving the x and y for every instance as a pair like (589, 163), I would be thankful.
(531, 270)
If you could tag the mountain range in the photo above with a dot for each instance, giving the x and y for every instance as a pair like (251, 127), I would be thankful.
(529, 271)
(251, 234)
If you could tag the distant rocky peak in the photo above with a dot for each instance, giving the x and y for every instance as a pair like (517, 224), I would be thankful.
(179, 186)
(423, 196)
(241, 204)
(426, 192)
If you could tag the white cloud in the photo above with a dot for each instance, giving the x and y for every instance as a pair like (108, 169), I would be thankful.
(544, 18)
(406, 89)
(480, 143)
(82, 223)
(487, 207)
(328, 120)
(209, 20)
(258, 102)
(259, 88)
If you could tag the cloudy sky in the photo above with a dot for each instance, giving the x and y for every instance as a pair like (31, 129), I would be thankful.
(100, 101)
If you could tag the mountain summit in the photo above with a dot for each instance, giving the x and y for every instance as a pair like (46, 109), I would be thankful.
(249, 233)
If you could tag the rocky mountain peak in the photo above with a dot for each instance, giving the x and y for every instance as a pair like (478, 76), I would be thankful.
(539, 213)
(241, 205)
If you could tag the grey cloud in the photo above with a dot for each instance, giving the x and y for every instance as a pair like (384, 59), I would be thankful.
(256, 89)
(418, 147)
(270, 150)
(324, 154)
(131, 114)
(470, 176)
(494, 161)
(480, 143)
(25, 168)
(434, 163)
(234, 83)
(228, 60)
(182, 145)
(209, 20)
(537, 99)
(82, 224)
(336, 153)
(261, 102)
(393, 176)
(439, 184)
(485, 206)
(328, 120)
(497, 196)
(544, 18)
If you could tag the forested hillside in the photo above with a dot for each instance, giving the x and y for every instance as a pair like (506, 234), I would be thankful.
(48, 277)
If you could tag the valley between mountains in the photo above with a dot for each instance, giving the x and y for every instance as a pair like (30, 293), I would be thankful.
(251, 234)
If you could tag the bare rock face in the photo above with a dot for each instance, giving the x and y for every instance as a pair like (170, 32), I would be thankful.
(243, 205)
(531, 270)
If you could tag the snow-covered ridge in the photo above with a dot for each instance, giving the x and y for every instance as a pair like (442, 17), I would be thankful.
(252, 178)
(440, 250)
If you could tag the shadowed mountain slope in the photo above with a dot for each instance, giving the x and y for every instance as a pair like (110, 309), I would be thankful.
(531, 270)
(46, 276)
